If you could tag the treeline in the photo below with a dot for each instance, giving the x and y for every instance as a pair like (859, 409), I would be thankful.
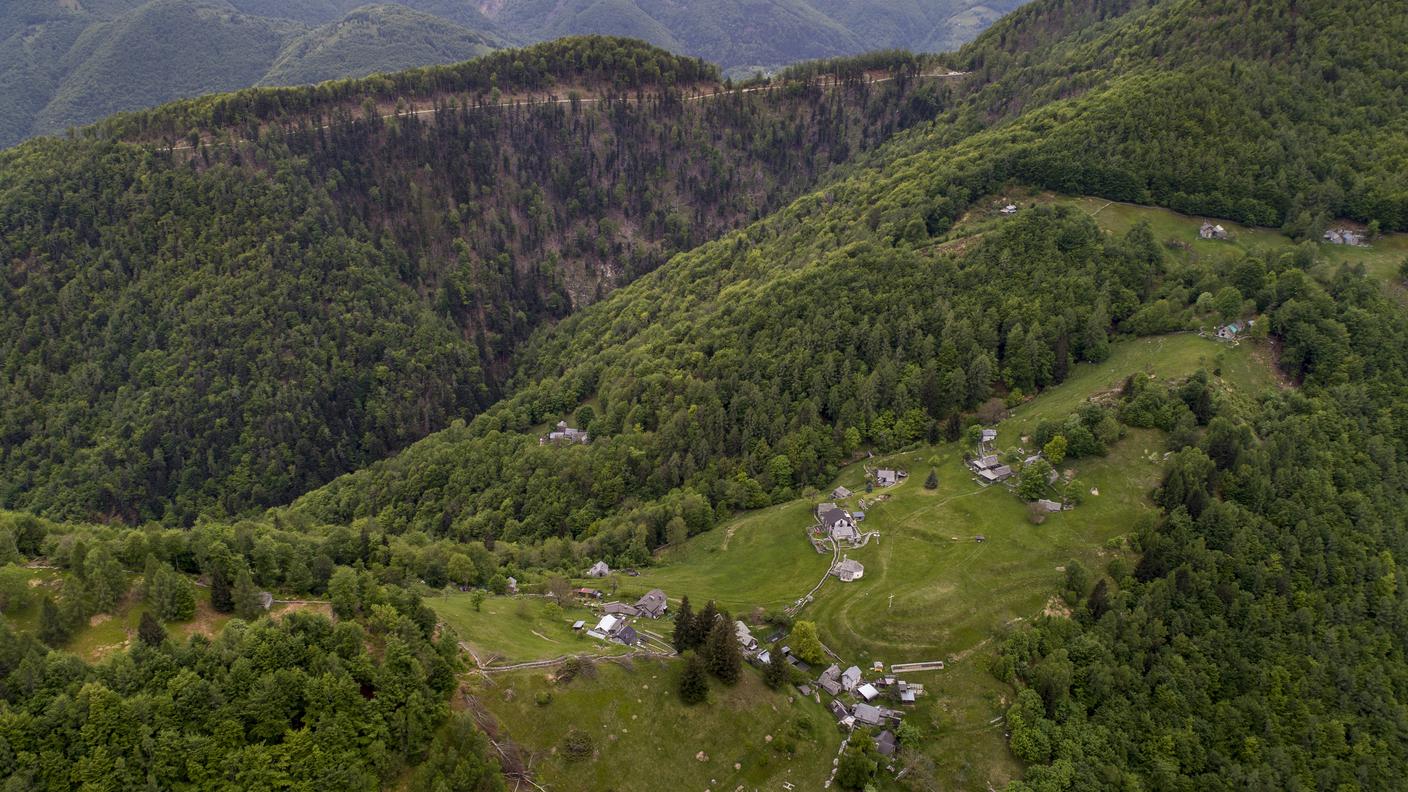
(1257, 643)
(220, 330)
(580, 60)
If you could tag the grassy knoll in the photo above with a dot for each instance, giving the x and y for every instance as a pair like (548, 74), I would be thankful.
(645, 739)
(518, 629)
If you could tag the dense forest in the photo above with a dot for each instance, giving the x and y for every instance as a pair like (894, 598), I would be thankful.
(300, 702)
(1258, 642)
(220, 329)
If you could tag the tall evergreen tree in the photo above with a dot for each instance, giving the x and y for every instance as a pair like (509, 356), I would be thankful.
(725, 657)
(221, 599)
(684, 626)
(694, 680)
(703, 624)
(150, 630)
(246, 597)
(53, 630)
(775, 675)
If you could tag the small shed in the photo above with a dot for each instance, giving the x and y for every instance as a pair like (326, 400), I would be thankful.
(599, 570)
(841, 493)
(868, 692)
(886, 743)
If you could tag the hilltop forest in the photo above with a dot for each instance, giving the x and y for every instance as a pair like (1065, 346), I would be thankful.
(223, 304)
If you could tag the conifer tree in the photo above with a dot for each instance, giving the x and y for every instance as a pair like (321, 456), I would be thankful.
(725, 658)
(694, 682)
(221, 599)
(932, 482)
(775, 675)
(703, 624)
(150, 630)
(52, 628)
(246, 597)
(684, 626)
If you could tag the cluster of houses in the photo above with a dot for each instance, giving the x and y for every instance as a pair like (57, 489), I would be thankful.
(988, 468)
(564, 434)
(615, 624)
(1345, 236)
(857, 702)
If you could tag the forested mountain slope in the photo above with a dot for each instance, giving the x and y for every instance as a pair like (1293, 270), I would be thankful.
(1258, 643)
(222, 328)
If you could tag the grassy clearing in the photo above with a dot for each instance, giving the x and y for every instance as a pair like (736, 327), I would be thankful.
(107, 633)
(1381, 259)
(518, 629)
(645, 739)
(930, 590)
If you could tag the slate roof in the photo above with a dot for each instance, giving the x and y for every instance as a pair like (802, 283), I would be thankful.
(850, 678)
(653, 604)
(885, 743)
(865, 713)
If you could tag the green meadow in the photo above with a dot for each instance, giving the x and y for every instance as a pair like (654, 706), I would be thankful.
(931, 590)
(643, 739)
(506, 630)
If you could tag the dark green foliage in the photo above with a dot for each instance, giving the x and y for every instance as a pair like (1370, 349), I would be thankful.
(694, 680)
(857, 765)
(725, 657)
(221, 598)
(684, 636)
(577, 745)
(53, 629)
(299, 701)
(246, 597)
(701, 434)
(458, 760)
(150, 630)
(776, 673)
(702, 628)
(1281, 524)
(932, 480)
(169, 593)
(286, 309)
(1207, 107)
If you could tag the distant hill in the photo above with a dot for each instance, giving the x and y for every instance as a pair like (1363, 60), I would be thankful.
(375, 39)
(70, 62)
